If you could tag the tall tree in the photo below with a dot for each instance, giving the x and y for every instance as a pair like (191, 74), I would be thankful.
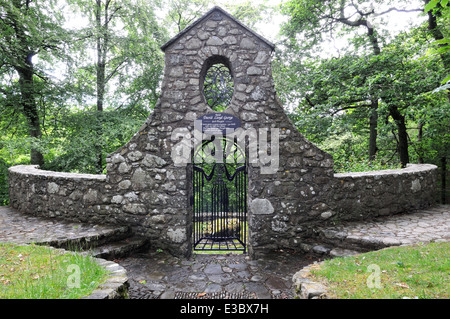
(440, 9)
(316, 18)
(438, 12)
(28, 28)
(125, 37)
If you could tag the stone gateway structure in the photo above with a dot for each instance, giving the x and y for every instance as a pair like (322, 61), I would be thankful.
(218, 71)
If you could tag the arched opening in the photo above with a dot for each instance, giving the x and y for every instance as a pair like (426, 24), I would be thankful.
(217, 83)
(219, 220)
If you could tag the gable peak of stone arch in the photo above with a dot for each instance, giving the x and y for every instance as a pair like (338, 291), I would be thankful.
(210, 14)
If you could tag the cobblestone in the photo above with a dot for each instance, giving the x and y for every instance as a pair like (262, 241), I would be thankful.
(159, 275)
(16, 227)
(207, 276)
(422, 226)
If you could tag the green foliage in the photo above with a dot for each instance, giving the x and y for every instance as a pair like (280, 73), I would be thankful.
(126, 44)
(349, 151)
(75, 145)
(441, 8)
(181, 13)
(331, 99)
(62, 88)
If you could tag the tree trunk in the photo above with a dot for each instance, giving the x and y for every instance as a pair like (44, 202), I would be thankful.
(373, 131)
(419, 141)
(445, 57)
(437, 35)
(24, 67)
(402, 135)
(373, 120)
(443, 179)
(30, 109)
(101, 79)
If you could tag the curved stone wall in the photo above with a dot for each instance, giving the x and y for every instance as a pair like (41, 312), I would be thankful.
(54, 194)
(351, 196)
(358, 196)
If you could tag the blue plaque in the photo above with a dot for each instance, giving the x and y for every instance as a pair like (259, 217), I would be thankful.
(217, 123)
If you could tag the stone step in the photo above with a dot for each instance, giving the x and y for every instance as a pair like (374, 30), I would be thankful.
(96, 238)
(118, 249)
(345, 241)
(340, 252)
(322, 249)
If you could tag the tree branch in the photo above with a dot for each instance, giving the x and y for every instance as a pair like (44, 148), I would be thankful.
(398, 10)
(110, 75)
(349, 108)
(111, 16)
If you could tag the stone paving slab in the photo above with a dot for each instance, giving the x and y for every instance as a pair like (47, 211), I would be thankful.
(19, 228)
(154, 275)
(158, 275)
(422, 226)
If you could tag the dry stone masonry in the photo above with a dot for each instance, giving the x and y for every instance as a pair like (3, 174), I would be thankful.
(291, 185)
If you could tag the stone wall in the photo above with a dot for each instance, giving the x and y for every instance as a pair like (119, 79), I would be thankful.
(361, 196)
(352, 196)
(53, 194)
(147, 188)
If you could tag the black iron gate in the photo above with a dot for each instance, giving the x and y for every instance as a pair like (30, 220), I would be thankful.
(220, 206)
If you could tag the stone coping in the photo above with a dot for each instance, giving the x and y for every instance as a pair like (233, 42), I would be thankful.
(305, 287)
(409, 169)
(116, 285)
(36, 171)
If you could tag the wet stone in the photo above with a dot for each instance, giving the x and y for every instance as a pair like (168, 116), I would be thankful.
(275, 283)
(213, 269)
(160, 275)
(213, 288)
(219, 279)
(257, 278)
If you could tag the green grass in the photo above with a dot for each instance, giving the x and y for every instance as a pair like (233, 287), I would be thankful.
(39, 272)
(420, 271)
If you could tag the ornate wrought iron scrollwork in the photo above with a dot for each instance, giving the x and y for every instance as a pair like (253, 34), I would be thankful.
(218, 87)
(219, 198)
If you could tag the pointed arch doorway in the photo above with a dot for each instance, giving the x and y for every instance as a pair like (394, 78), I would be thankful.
(219, 196)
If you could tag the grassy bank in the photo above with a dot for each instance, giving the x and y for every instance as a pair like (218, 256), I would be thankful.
(420, 271)
(38, 272)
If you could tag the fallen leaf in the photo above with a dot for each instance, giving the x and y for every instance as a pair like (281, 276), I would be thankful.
(143, 282)
(403, 285)
(201, 294)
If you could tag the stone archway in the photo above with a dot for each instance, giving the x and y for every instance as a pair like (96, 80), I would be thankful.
(157, 162)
